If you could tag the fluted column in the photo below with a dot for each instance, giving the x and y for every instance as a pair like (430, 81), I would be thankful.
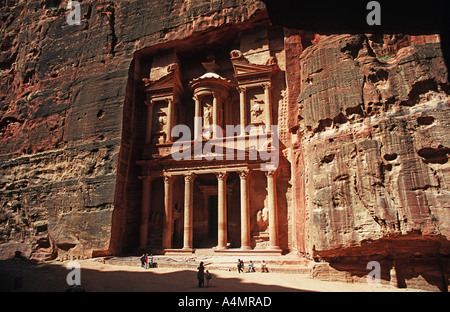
(222, 210)
(245, 214)
(188, 211)
(273, 214)
(167, 229)
(145, 211)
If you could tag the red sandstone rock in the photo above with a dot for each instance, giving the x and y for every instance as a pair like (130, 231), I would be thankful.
(363, 125)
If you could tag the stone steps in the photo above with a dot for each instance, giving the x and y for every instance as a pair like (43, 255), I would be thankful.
(278, 264)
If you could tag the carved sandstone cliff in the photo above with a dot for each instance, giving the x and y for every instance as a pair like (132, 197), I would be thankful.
(368, 119)
(62, 94)
(373, 151)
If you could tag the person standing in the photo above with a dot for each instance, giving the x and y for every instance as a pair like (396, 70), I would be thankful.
(240, 265)
(250, 267)
(208, 278)
(201, 275)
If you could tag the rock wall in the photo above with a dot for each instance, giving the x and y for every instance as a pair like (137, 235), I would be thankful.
(62, 95)
(372, 149)
(368, 124)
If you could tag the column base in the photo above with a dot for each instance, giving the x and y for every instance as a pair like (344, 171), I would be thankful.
(239, 251)
(178, 251)
(274, 249)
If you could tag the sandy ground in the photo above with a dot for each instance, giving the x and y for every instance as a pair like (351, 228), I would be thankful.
(16, 275)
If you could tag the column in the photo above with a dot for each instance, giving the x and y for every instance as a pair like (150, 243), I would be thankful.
(222, 210)
(215, 113)
(145, 211)
(245, 214)
(188, 211)
(242, 111)
(272, 203)
(168, 224)
(197, 118)
(169, 119)
(267, 106)
(148, 133)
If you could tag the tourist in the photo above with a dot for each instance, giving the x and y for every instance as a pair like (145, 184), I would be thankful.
(250, 267)
(240, 265)
(201, 275)
(146, 261)
(208, 277)
(151, 260)
(264, 267)
(143, 261)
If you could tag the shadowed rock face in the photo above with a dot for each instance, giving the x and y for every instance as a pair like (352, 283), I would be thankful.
(374, 150)
(373, 133)
(367, 117)
(62, 96)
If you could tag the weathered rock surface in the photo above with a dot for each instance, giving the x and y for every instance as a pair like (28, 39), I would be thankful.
(62, 92)
(373, 149)
(368, 117)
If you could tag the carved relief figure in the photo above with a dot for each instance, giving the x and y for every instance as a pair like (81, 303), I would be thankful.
(207, 115)
(256, 110)
(159, 122)
(262, 219)
(207, 121)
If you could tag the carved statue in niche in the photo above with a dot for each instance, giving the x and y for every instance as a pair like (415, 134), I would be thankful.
(158, 129)
(207, 115)
(207, 121)
(256, 110)
(262, 219)
(160, 122)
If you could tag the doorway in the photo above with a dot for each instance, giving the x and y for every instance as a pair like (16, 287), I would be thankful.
(212, 219)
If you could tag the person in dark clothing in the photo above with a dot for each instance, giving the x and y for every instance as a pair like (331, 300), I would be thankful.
(208, 278)
(240, 265)
(201, 275)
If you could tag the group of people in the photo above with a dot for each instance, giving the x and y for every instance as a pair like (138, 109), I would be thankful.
(201, 275)
(251, 267)
(146, 261)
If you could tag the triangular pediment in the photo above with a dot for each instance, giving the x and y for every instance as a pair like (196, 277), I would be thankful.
(169, 81)
(243, 68)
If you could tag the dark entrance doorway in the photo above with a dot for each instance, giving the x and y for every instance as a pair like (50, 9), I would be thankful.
(213, 217)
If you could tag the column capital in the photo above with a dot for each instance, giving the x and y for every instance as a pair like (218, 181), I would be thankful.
(266, 85)
(243, 174)
(189, 177)
(270, 173)
(221, 175)
(167, 178)
(242, 89)
(219, 97)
